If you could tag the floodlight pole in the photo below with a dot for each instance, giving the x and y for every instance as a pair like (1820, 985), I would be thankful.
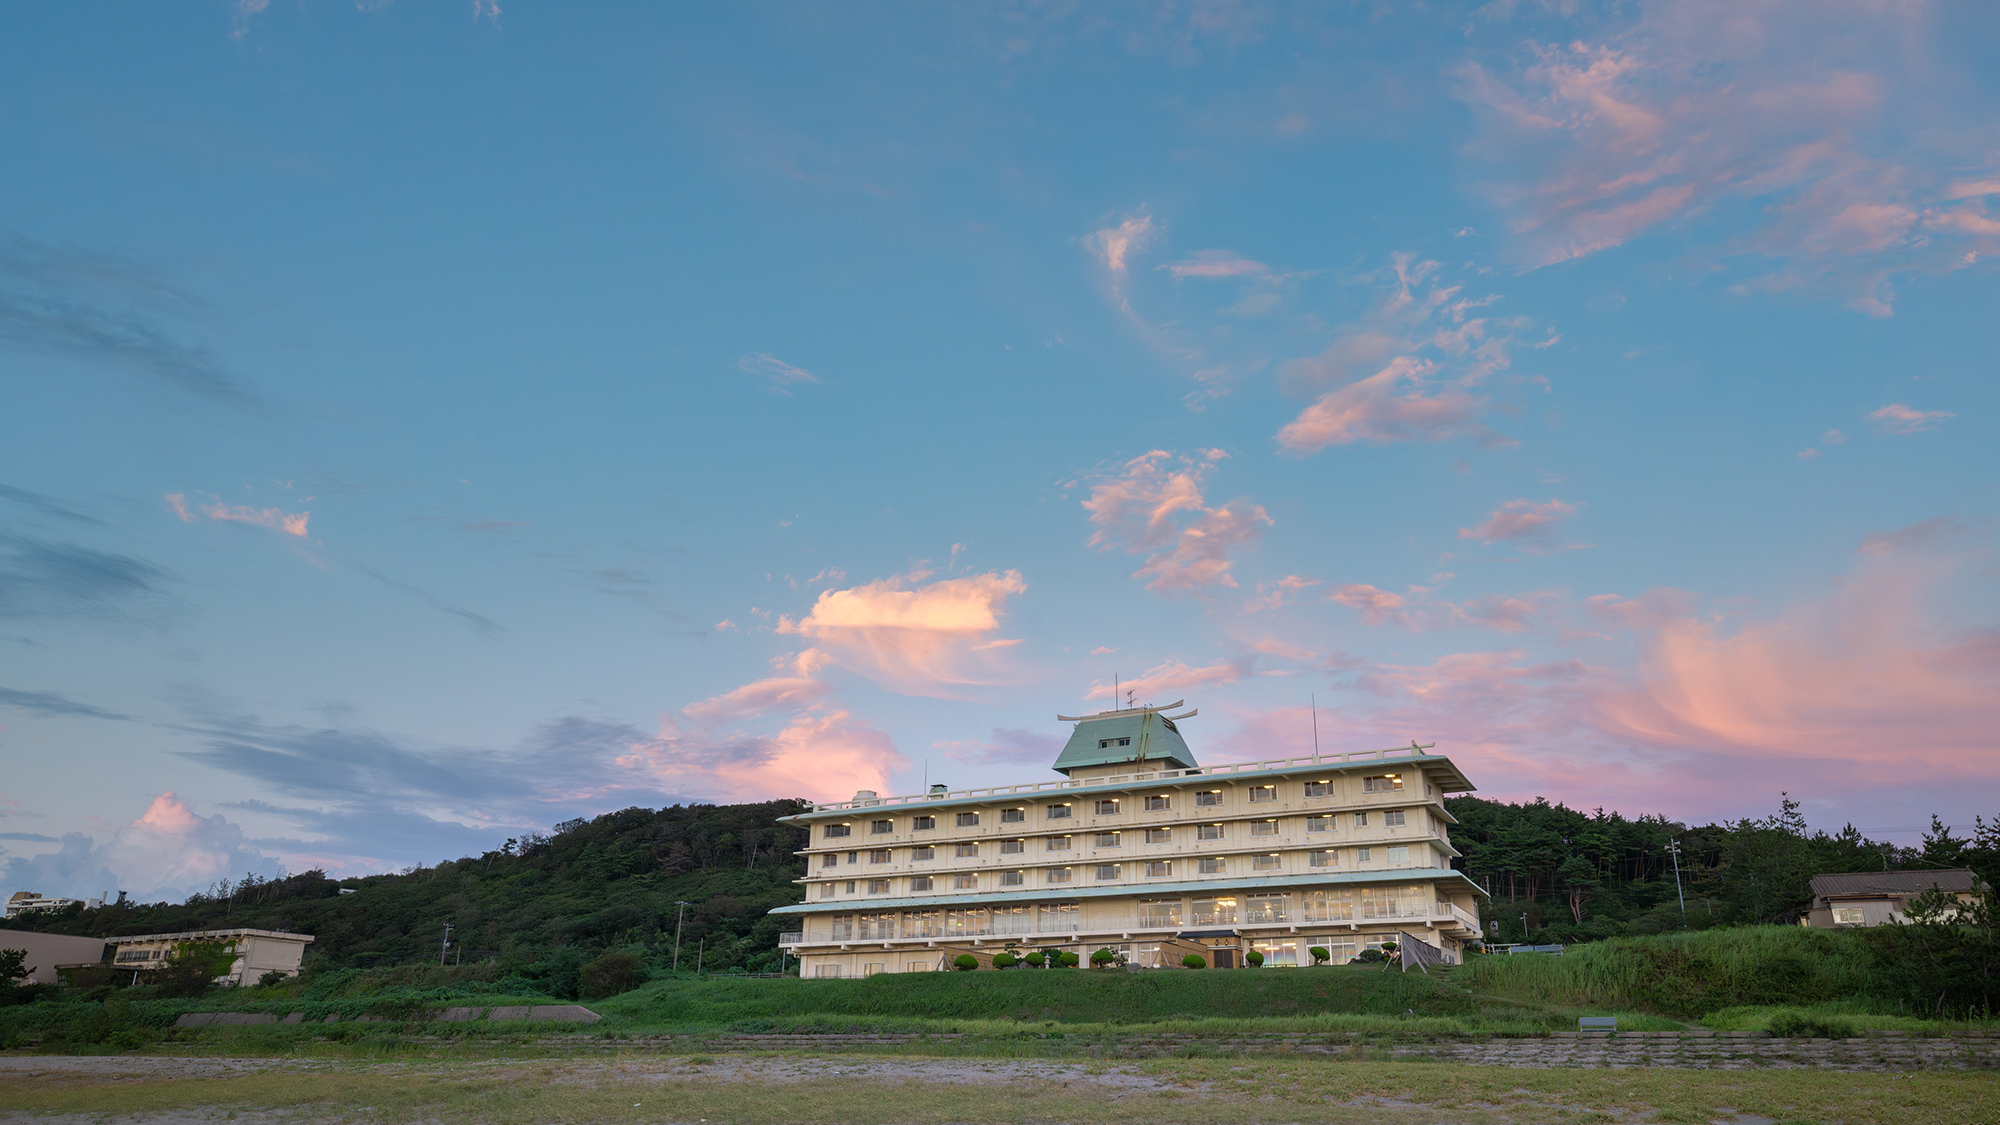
(677, 932)
(1674, 849)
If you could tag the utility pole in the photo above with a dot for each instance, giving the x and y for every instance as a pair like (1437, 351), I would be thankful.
(446, 946)
(677, 932)
(1674, 849)
(1524, 929)
(700, 947)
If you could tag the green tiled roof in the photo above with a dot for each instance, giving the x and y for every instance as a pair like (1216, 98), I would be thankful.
(1163, 888)
(1147, 735)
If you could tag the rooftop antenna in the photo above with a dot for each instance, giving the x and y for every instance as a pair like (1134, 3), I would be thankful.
(1131, 700)
(1116, 693)
(1315, 706)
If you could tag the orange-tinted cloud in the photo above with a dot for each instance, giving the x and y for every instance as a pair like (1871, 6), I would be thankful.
(1176, 678)
(818, 756)
(1154, 506)
(1523, 521)
(916, 637)
(1900, 419)
(277, 520)
(1217, 263)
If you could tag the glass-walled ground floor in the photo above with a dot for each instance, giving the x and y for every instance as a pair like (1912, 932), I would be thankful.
(1225, 949)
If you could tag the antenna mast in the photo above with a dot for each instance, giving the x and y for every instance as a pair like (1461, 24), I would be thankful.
(1315, 706)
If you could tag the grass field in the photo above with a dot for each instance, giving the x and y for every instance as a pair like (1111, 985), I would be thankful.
(727, 1091)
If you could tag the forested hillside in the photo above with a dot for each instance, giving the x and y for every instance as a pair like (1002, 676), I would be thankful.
(540, 906)
(1578, 876)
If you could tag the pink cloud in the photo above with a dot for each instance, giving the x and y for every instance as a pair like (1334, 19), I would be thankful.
(800, 689)
(1521, 520)
(821, 757)
(277, 520)
(1273, 595)
(1176, 678)
(1111, 245)
(1808, 109)
(914, 637)
(1216, 263)
(1376, 606)
(1416, 610)
(1900, 419)
(1154, 506)
(775, 371)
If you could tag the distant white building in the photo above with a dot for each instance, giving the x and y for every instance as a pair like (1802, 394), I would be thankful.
(256, 952)
(30, 902)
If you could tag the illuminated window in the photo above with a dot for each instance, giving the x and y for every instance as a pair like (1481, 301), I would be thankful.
(879, 855)
(1109, 870)
(880, 826)
(1013, 847)
(965, 851)
(917, 883)
(830, 859)
(1319, 824)
(923, 823)
(879, 886)
(1059, 874)
(1208, 832)
(968, 820)
(1013, 816)
(1159, 868)
(1319, 788)
(1159, 835)
(1212, 866)
(1382, 783)
(1260, 793)
(1847, 916)
(1321, 859)
(826, 890)
(835, 831)
(1058, 812)
(965, 882)
(923, 853)
(1265, 862)
(1159, 804)
(1013, 878)
(1263, 828)
(1105, 808)
(1208, 797)
(1106, 840)
(1060, 843)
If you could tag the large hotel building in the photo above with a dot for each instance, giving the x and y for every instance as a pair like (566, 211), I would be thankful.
(1142, 851)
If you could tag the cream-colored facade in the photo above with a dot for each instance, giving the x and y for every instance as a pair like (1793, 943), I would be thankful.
(255, 952)
(1340, 851)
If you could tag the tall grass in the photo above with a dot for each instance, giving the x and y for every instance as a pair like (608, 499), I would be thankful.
(1687, 974)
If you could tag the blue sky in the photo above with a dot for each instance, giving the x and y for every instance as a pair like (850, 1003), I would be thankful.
(428, 423)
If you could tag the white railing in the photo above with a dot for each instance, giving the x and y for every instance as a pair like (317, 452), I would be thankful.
(1391, 754)
(796, 937)
(1465, 917)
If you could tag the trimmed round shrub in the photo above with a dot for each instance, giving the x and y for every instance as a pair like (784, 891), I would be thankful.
(1319, 954)
(1067, 959)
(1194, 961)
(1102, 959)
(1371, 956)
(1390, 947)
(1253, 959)
(965, 962)
(1036, 960)
(1003, 960)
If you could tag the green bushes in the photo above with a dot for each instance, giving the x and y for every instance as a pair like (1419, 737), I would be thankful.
(1254, 959)
(610, 975)
(1194, 961)
(1809, 1025)
(1689, 974)
(1035, 960)
(1320, 954)
(1066, 959)
(1004, 960)
(1103, 959)
(965, 962)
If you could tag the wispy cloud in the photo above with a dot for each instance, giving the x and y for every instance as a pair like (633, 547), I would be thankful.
(1216, 263)
(1006, 746)
(288, 523)
(1900, 419)
(1828, 138)
(478, 623)
(1154, 506)
(1408, 371)
(1526, 523)
(775, 372)
(1175, 678)
(96, 307)
(52, 579)
(36, 502)
(50, 705)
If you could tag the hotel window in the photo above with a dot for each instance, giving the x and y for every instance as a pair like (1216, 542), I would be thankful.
(921, 854)
(854, 857)
(1159, 912)
(966, 851)
(830, 859)
(1059, 874)
(1364, 855)
(1107, 871)
(843, 927)
(1058, 812)
(1382, 783)
(1277, 952)
(1265, 863)
(1013, 816)
(1321, 859)
(1159, 835)
(1399, 856)
(1319, 788)
(1260, 793)
(1267, 908)
(1013, 878)
(1393, 818)
(1361, 820)
(826, 890)
(1208, 797)
(1208, 832)
(1212, 866)
(880, 826)
(879, 855)
(1106, 840)
(917, 883)
(1217, 911)
(1263, 828)
(831, 972)
(1394, 902)
(922, 823)
(968, 820)
(1159, 804)
(880, 886)
(1108, 743)
(836, 831)
(1847, 916)
(1159, 868)
(1060, 843)
(850, 886)
(871, 968)
(1105, 808)
(1013, 847)
(1325, 906)
(965, 882)
(1058, 917)
(1319, 824)
(876, 927)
